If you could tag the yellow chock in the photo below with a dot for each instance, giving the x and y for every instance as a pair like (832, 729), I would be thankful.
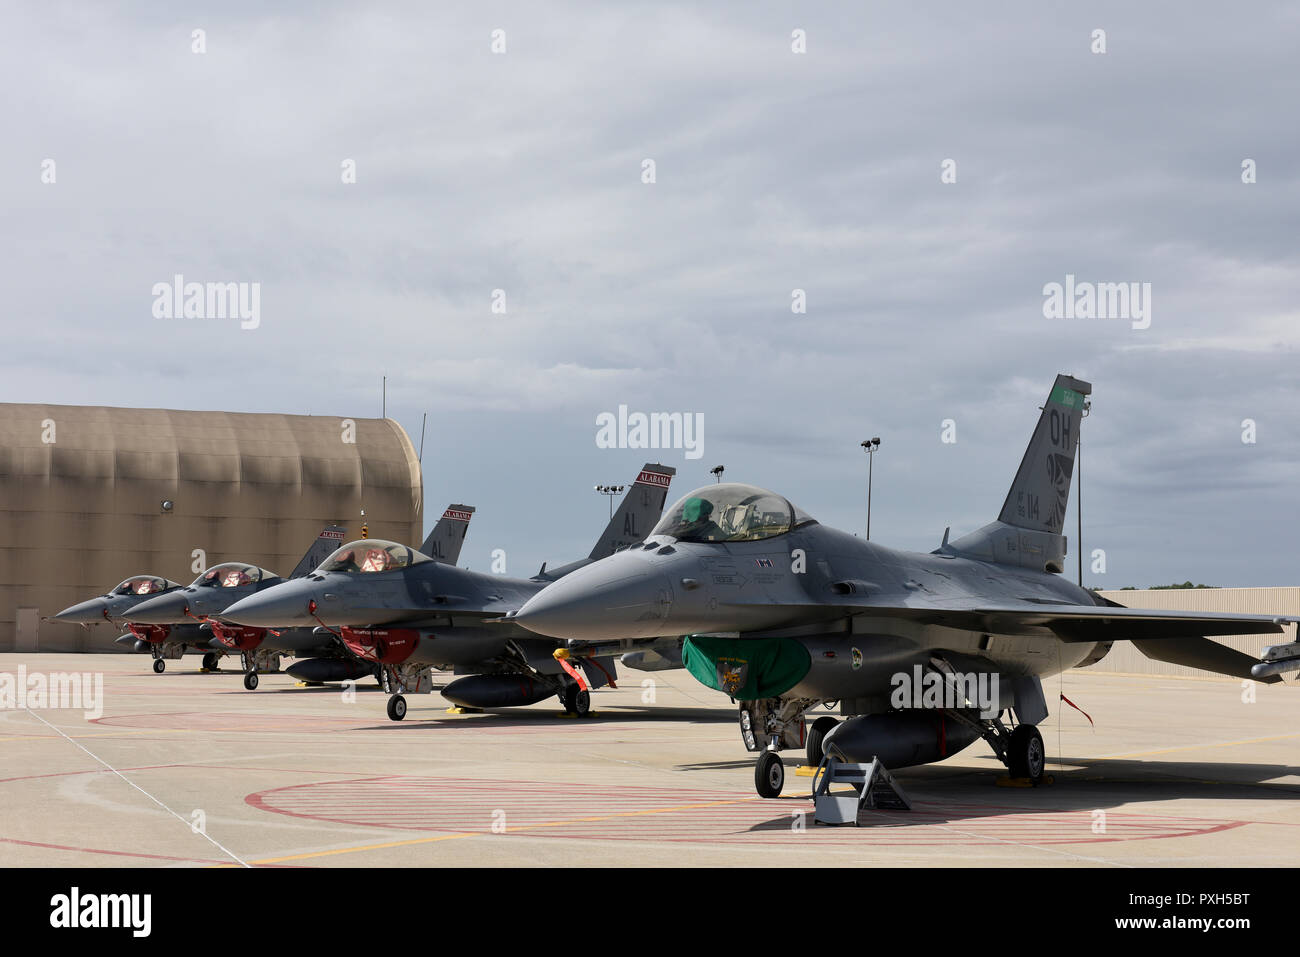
(459, 710)
(1009, 782)
(805, 771)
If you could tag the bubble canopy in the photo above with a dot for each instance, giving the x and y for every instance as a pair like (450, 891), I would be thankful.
(231, 575)
(730, 512)
(372, 555)
(143, 585)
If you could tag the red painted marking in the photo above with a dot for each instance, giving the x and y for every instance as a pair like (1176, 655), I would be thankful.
(101, 850)
(619, 813)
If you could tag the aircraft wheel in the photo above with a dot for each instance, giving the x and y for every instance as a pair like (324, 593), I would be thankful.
(209, 663)
(1026, 757)
(769, 775)
(577, 701)
(159, 666)
(397, 707)
(250, 681)
(821, 727)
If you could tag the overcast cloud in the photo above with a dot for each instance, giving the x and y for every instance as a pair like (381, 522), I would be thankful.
(775, 171)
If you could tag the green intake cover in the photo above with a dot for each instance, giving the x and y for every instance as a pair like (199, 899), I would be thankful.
(746, 668)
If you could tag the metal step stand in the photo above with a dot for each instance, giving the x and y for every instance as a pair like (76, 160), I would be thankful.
(874, 790)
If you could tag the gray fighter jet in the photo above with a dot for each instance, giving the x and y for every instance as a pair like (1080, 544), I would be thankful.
(116, 606)
(923, 652)
(322, 657)
(395, 607)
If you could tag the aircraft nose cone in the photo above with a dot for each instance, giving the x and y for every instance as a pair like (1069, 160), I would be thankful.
(276, 607)
(163, 610)
(602, 602)
(83, 613)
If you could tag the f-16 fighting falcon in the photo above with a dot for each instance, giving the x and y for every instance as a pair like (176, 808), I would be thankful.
(323, 657)
(116, 606)
(167, 619)
(397, 608)
(925, 653)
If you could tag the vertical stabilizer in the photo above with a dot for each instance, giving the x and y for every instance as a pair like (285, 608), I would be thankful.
(448, 535)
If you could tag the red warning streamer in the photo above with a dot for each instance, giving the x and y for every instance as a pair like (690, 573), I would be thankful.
(1078, 709)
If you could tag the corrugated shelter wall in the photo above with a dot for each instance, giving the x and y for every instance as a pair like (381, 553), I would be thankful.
(81, 493)
(1126, 659)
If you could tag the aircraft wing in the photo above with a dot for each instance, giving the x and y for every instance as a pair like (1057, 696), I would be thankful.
(1070, 622)
(1177, 637)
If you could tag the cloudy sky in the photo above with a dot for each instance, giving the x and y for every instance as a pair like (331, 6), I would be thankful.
(774, 171)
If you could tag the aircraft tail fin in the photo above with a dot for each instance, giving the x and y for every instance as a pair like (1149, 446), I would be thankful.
(448, 535)
(330, 538)
(1041, 490)
(640, 509)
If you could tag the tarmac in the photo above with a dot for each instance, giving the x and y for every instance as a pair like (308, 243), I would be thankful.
(189, 769)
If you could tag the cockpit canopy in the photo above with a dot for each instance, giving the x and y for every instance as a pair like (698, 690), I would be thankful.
(730, 512)
(231, 575)
(143, 585)
(372, 555)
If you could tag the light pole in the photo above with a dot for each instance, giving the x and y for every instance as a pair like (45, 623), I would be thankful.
(1078, 457)
(610, 491)
(717, 471)
(870, 446)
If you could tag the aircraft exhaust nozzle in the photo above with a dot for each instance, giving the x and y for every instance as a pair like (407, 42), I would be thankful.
(900, 739)
(319, 670)
(497, 691)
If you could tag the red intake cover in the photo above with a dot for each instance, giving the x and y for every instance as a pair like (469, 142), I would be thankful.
(237, 637)
(386, 646)
(154, 634)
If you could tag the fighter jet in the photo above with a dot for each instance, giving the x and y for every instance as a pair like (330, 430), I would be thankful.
(925, 653)
(116, 605)
(396, 607)
(166, 623)
(323, 657)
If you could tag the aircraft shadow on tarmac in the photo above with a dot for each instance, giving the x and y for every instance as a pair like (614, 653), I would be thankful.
(534, 717)
(962, 794)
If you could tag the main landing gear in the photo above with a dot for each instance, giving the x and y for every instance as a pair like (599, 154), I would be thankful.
(576, 701)
(1019, 748)
(816, 734)
(1026, 757)
(211, 661)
